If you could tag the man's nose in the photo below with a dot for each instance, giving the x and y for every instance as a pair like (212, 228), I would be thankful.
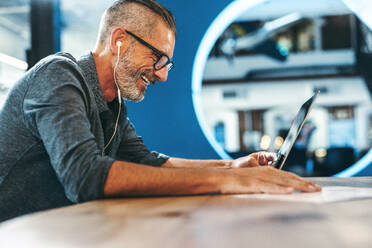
(162, 74)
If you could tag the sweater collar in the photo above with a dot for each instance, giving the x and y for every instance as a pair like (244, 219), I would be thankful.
(88, 65)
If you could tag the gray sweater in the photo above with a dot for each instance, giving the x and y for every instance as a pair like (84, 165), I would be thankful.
(53, 127)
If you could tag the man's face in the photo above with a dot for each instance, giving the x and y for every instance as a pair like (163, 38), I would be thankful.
(135, 69)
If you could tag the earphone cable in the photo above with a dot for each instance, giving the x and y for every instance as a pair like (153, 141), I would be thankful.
(119, 100)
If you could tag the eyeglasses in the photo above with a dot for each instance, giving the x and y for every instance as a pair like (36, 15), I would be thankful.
(162, 59)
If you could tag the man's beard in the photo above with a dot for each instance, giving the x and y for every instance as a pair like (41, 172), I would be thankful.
(127, 76)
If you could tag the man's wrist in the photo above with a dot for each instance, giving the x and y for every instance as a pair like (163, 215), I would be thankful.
(223, 179)
(216, 179)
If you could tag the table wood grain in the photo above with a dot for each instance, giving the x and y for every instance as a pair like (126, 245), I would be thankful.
(198, 221)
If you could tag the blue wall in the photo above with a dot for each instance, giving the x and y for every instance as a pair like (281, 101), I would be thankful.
(166, 118)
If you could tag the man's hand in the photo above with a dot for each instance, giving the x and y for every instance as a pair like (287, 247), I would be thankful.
(254, 159)
(130, 179)
(264, 179)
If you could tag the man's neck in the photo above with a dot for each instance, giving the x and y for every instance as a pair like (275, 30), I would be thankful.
(105, 74)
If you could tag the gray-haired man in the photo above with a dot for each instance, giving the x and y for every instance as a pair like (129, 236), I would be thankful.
(65, 137)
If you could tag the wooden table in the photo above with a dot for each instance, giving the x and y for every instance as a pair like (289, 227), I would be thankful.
(198, 221)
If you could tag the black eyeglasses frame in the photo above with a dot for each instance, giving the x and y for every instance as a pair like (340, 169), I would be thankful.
(158, 53)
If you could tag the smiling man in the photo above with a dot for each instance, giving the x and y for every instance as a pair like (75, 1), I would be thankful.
(65, 136)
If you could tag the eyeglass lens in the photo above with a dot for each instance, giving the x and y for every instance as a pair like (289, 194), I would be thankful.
(163, 61)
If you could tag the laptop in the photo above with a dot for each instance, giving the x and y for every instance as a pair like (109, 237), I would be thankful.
(294, 131)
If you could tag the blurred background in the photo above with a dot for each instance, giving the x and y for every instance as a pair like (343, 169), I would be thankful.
(274, 57)
(259, 71)
(33, 29)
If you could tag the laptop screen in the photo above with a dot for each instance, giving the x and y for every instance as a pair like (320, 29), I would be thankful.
(294, 130)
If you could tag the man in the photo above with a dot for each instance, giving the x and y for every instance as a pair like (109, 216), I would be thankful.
(65, 137)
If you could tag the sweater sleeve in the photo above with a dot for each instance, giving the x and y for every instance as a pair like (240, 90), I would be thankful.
(56, 110)
(133, 149)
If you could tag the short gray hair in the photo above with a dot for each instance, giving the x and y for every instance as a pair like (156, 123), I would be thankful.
(126, 13)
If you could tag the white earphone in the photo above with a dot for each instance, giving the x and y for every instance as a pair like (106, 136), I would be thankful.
(118, 43)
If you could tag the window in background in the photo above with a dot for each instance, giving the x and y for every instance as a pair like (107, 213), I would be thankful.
(336, 26)
(80, 20)
(219, 132)
(15, 39)
(342, 126)
(299, 38)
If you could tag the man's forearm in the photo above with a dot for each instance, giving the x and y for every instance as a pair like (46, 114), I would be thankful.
(129, 179)
(191, 163)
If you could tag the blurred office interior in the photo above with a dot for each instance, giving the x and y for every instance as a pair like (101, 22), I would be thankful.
(74, 30)
(259, 72)
(273, 58)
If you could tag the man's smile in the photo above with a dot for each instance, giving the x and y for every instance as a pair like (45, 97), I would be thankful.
(145, 79)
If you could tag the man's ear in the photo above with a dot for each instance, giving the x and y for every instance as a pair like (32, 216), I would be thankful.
(118, 41)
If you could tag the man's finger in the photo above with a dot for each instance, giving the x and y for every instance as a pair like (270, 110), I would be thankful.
(265, 157)
(262, 158)
(270, 156)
